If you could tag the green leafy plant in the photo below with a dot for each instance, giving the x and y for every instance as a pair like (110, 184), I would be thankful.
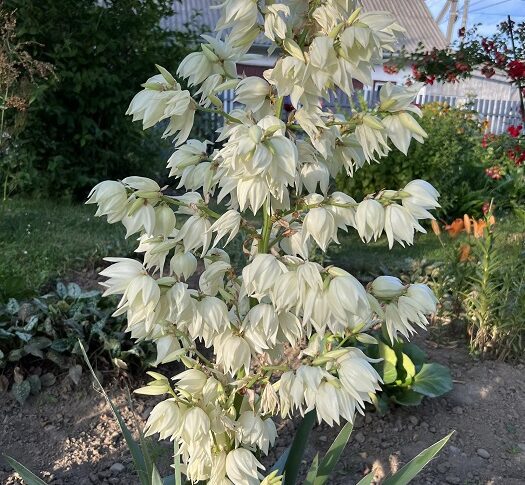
(46, 332)
(406, 375)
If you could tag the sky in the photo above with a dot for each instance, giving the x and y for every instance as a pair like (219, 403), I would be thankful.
(486, 12)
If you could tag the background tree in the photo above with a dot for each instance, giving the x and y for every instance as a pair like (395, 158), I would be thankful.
(75, 132)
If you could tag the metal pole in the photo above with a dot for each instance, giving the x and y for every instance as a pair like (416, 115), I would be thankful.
(518, 81)
(444, 10)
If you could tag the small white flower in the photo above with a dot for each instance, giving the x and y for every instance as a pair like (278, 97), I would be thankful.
(253, 92)
(191, 381)
(319, 223)
(165, 418)
(183, 264)
(195, 233)
(370, 219)
(422, 198)
(387, 287)
(261, 274)
(229, 222)
(233, 352)
(112, 200)
(242, 467)
(400, 225)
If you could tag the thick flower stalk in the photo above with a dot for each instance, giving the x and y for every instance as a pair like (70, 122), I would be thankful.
(279, 336)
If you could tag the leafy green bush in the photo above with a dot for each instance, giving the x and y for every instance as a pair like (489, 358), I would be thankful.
(46, 331)
(448, 159)
(76, 133)
(407, 377)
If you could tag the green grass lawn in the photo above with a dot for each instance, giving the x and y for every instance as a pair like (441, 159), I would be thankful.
(41, 240)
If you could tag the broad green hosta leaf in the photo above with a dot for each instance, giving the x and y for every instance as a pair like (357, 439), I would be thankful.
(408, 397)
(432, 380)
(416, 354)
(413, 467)
(27, 475)
(389, 371)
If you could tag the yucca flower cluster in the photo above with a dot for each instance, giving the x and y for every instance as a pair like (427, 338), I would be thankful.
(283, 331)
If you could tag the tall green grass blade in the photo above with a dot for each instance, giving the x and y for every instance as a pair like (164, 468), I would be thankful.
(413, 467)
(134, 448)
(27, 475)
(312, 472)
(295, 457)
(328, 463)
(367, 480)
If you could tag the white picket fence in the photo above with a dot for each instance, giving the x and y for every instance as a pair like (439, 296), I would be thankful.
(500, 114)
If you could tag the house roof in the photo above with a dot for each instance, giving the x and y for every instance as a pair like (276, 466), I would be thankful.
(413, 15)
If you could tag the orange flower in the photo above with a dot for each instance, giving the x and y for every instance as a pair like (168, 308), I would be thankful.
(435, 227)
(466, 222)
(455, 228)
(479, 228)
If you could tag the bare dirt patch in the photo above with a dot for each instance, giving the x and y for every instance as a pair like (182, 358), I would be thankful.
(69, 436)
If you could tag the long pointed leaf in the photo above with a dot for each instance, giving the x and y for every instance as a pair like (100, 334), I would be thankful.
(281, 462)
(328, 463)
(413, 467)
(134, 448)
(155, 477)
(27, 475)
(367, 480)
(295, 457)
(312, 472)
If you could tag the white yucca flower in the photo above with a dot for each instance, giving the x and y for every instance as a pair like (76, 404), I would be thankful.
(161, 100)
(254, 93)
(370, 219)
(229, 222)
(243, 468)
(386, 287)
(112, 200)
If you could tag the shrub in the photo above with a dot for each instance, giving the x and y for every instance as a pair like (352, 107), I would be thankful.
(503, 158)
(448, 158)
(75, 132)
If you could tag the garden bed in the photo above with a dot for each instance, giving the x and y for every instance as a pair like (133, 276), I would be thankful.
(74, 440)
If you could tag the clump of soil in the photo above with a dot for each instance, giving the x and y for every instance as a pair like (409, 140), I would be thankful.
(69, 436)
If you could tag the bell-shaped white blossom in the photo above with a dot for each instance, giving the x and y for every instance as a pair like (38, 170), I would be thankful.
(254, 93)
(243, 468)
(111, 198)
(163, 99)
(386, 287)
(370, 219)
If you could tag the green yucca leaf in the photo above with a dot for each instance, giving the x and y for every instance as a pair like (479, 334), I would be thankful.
(312, 472)
(413, 467)
(367, 480)
(134, 448)
(295, 455)
(28, 476)
(328, 463)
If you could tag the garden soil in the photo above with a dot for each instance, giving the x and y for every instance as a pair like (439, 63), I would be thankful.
(68, 435)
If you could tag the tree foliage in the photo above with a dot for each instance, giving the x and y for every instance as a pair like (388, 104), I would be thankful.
(76, 132)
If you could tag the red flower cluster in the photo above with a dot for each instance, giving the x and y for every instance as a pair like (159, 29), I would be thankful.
(517, 155)
(516, 70)
(488, 138)
(494, 172)
(390, 69)
(514, 131)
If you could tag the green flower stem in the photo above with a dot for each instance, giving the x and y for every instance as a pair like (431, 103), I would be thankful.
(220, 112)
